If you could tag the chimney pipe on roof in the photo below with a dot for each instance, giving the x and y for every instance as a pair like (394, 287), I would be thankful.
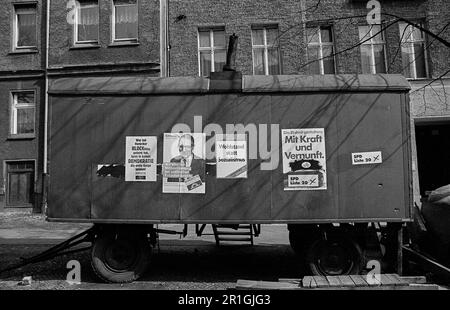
(231, 54)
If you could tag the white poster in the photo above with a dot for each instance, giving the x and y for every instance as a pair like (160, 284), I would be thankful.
(140, 159)
(231, 156)
(304, 159)
(184, 163)
(366, 158)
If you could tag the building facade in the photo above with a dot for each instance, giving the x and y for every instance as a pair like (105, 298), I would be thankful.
(190, 37)
(22, 70)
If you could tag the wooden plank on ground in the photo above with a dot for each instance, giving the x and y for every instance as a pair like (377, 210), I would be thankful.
(385, 280)
(321, 281)
(359, 280)
(415, 279)
(346, 281)
(334, 281)
(245, 284)
(268, 285)
(289, 280)
(396, 279)
(308, 282)
(372, 280)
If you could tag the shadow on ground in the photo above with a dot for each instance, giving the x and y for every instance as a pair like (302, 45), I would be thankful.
(174, 265)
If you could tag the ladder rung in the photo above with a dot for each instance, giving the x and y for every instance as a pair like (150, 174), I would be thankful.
(235, 239)
(238, 233)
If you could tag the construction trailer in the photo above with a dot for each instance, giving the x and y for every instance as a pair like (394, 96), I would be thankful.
(332, 161)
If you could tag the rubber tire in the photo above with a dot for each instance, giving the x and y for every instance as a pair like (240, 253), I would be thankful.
(99, 260)
(301, 237)
(351, 246)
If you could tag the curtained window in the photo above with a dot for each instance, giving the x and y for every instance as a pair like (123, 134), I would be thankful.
(373, 56)
(23, 112)
(125, 20)
(414, 57)
(266, 56)
(211, 50)
(320, 47)
(25, 35)
(86, 28)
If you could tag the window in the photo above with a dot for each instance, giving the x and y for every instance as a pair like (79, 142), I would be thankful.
(23, 113)
(373, 57)
(25, 30)
(266, 58)
(125, 20)
(413, 51)
(20, 183)
(86, 22)
(211, 50)
(320, 47)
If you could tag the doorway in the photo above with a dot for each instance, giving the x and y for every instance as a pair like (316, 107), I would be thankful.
(20, 176)
(433, 156)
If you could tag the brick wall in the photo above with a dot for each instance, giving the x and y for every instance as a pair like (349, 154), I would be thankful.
(237, 16)
(292, 16)
(20, 149)
(61, 38)
(19, 61)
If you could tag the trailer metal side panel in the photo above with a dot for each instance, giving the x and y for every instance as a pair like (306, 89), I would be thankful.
(307, 111)
(369, 123)
(231, 199)
(88, 129)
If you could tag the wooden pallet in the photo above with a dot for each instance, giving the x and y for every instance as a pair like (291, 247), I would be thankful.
(352, 282)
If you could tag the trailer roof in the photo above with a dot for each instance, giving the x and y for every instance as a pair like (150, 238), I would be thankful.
(142, 85)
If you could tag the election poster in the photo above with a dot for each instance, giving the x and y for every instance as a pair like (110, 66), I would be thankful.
(140, 159)
(304, 159)
(231, 156)
(183, 166)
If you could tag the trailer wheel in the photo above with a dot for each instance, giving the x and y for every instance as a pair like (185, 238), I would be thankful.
(120, 257)
(301, 236)
(338, 255)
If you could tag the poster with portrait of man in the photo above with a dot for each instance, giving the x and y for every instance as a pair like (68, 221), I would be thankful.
(184, 163)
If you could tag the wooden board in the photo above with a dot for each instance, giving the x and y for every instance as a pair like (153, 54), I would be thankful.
(346, 281)
(321, 281)
(396, 279)
(248, 284)
(334, 281)
(309, 282)
(359, 280)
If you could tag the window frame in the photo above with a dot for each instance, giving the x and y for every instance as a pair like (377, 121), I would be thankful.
(320, 45)
(13, 114)
(75, 28)
(212, 49)
(411, 47)
(6, 162)
(15, 23)
(266, 48)
(371, 43)
(114, 40)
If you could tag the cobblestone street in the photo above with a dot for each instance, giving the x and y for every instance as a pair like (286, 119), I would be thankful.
(190, 263)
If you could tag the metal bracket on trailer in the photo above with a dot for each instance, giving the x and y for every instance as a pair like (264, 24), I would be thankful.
(57, 250)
